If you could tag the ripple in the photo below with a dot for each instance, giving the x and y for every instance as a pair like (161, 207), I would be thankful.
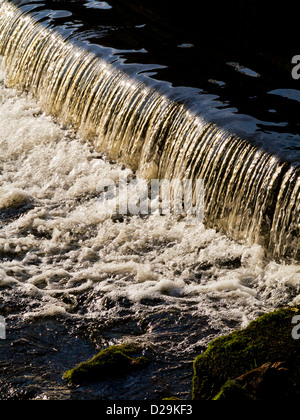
(243, 70)
(292, 94)
(185, 45)
(92, 4)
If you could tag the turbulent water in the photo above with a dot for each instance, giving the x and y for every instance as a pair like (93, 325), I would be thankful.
(250, 193)
(76, 276)
(156, 279)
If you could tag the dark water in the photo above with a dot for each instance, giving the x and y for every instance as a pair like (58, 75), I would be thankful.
(230, 62)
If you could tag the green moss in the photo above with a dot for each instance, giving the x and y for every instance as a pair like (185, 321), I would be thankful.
(232, 391)
(113, 361)
(267, 339)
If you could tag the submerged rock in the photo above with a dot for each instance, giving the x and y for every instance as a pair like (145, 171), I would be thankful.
(14, 203)
(14, 199)
(260, 362)
(110, 362)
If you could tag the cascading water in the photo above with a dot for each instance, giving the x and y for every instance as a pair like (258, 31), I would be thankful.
(74, 278)
(246, 188)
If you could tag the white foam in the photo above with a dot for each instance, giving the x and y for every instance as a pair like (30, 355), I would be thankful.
(68, 242)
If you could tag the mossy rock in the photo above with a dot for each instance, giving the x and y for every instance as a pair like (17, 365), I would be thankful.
(233, 391)
(110, 362)
(267, 339)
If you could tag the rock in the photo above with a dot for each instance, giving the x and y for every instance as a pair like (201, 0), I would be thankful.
(14, 199)
(110, 362)
(233, 391)
(268, 382)
(261, 361)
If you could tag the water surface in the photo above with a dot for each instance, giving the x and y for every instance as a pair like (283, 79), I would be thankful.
(224, 60)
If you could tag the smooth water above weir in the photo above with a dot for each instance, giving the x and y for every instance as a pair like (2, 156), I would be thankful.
(249, 193)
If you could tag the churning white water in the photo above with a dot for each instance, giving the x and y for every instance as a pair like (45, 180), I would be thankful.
(57, 239)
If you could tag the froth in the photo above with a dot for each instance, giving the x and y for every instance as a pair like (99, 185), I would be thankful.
(67, 242)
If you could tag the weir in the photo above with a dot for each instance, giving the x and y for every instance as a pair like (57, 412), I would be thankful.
(250, 194)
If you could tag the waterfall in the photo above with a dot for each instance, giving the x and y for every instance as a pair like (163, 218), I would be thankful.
(249, 193)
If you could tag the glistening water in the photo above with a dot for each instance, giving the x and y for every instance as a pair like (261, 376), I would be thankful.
(229, 62)
(74, 277)
(250, 193)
